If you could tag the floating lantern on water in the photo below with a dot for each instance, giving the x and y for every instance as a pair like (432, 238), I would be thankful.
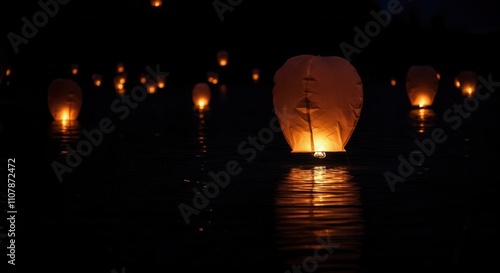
(222, 58)
(143, 79)
(255, 74)
(467, 82)
(213, 77)
(119, 85)
(156, 3)
(65, 100)
(421, 85)
(97, 79)
(201, 95)
(318, 102)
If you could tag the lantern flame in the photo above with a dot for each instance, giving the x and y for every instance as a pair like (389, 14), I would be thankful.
(319, 154)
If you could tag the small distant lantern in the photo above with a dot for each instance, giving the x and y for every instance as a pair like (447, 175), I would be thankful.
(222, 58)
(213, 77)
(393, 82)
(457, 83)
(156, 3)
(122, 77)
(151, 86)
(223, 88)
(421, 85)
(74, 69)
(318, 101)
(64, 100)
(119, 85)
(255, 74)
(143, 79)
(97, 79)
(201, 95)
(161, 81)
(8, 71)
(120, 68)
(438, 76)
(467, 82)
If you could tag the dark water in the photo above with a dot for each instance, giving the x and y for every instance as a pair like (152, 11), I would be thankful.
(119, 207)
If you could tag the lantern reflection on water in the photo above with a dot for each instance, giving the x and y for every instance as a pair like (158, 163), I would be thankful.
(319, 202)
(324, 96)
(421, 85)
(422, 119)
(201, 95)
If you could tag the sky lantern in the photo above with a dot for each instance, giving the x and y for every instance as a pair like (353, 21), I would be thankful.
(222, 58)
(393, 82)
(97, 79)
(8, 71)
(213, 77)
(255, 74)
(74, 69)
(156, 3)
(201, 95)
(151, 85)
(120, 68)
(65, 100)
(421, 85)
(467, 82)
(161, 81)
(142, 78)
(318, 101)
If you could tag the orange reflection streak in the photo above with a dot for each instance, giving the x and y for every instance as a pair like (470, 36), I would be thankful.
(318, 202)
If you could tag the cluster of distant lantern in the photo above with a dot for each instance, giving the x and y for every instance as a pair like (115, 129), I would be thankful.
(321, 96)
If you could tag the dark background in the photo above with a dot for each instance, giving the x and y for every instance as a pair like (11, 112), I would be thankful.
(184, 35)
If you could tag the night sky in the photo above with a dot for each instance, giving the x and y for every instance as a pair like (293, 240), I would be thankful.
(184, 35)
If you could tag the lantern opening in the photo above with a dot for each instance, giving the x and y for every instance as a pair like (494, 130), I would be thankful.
(319, 154)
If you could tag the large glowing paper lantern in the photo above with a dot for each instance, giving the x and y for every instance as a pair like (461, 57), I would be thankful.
(64, 99)
(467, 82)
(201, 95)
(318, 102)
(222, 57)
(421, 85)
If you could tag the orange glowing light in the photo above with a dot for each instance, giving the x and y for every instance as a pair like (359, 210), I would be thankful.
(255, 74)
(421, 85)
(120, 68)
(201, 95)
(74, 69)
(64, 100)
(393, 82)
(156, 3)
(222, 58)
(8, 72)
